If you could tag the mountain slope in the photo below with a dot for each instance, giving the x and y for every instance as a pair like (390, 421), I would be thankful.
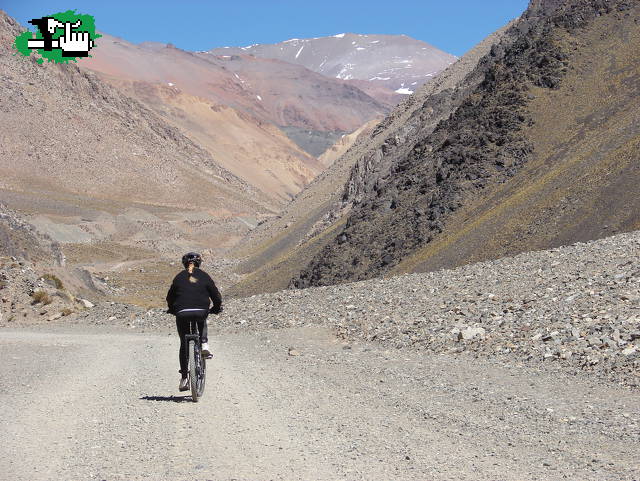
(395, 62)
(64, 130)
(253, 150)
(550, 174)
(338, 149)
(18, 238)
(581, 182)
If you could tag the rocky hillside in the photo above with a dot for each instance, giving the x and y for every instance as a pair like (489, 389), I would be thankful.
(101, 139)
(103, 176)
(395, 62)
(36, 285)
(575, 307)
(345, 142)
(525, 160)
(19, 238)
(255, 151)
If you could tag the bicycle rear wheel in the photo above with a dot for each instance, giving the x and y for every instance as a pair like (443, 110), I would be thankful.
(201, 373)
(193, 371)
(197, 368)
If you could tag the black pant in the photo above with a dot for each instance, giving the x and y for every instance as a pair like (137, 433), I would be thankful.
(183, 323)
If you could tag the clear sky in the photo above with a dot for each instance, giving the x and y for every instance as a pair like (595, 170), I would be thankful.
(451, 25)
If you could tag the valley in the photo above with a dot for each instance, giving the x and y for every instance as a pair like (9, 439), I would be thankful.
(430, 265)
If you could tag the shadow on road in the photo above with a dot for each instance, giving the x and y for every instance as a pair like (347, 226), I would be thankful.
(175, 399)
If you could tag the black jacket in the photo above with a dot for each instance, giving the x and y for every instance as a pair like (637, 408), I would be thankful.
(193, 294)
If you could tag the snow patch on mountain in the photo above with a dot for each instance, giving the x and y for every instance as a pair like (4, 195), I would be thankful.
(343, 73)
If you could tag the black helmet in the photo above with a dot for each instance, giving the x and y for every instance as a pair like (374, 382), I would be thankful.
(191, 257)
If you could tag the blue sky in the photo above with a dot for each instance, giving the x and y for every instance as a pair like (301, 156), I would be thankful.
(454, 25)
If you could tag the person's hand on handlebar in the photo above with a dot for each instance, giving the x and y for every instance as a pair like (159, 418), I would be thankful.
(213, 310)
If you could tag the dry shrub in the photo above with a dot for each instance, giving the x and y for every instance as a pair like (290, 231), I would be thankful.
(64, 295)
(54, 280)
(42, 297)
(66, 311)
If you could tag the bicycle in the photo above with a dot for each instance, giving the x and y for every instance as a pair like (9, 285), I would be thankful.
(197, 363)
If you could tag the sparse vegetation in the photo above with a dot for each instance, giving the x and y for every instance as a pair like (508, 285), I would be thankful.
(65, 295)
(41, 297)
(66, 311)
(53, 280)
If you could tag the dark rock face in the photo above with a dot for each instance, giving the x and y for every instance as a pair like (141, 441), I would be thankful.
(403, 194)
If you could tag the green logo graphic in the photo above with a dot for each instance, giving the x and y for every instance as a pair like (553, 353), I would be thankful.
(61, 37)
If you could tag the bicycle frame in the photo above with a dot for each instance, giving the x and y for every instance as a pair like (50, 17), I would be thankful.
(194, 333)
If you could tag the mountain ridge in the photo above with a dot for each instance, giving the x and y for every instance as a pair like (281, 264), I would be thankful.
(396, 62)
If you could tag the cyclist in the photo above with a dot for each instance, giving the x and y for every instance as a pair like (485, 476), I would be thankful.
(188, 299)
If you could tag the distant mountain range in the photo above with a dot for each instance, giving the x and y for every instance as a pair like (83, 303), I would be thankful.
(396, 62)
(282, 93)
(291, 114)
(240, 109)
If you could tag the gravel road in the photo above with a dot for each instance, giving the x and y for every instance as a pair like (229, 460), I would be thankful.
(97, 403)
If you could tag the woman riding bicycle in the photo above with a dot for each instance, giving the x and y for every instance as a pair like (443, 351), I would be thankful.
(188, 299)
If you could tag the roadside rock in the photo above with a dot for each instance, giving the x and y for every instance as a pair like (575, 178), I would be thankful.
(86, 304)
(472, 332)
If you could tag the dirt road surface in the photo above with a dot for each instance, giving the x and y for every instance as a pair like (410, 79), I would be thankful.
(80, 404)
